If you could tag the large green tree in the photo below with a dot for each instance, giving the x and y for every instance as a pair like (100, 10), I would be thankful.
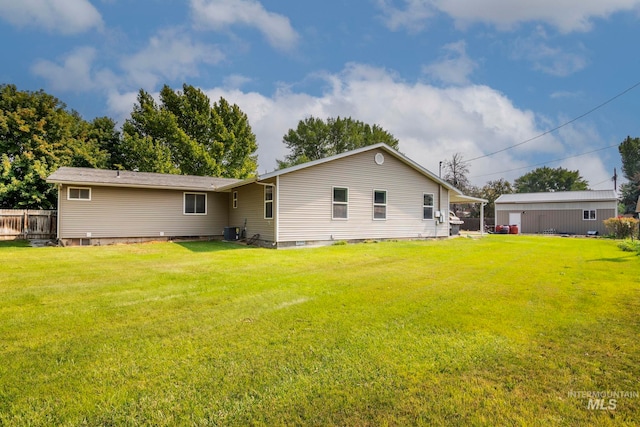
(491, 191)
(185, 134)
(315, 139)
(38, 135)
(630, 191)
(550, 179)
(103, 135)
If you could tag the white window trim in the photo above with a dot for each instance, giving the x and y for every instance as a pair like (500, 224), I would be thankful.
(386, 194)
(184, 203)
(264, 211)
(235, 200)
(433, 206)
(595, 215)
(78, 199)
(333, 203)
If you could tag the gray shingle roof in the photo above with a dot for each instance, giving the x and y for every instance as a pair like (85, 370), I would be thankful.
(559, 196)
(88, 176)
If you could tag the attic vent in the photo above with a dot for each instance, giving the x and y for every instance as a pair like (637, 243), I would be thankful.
(379, 158)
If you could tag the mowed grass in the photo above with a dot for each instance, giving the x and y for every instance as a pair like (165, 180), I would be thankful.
(493, 331)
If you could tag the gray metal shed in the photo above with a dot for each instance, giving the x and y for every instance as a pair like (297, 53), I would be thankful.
(562, 212)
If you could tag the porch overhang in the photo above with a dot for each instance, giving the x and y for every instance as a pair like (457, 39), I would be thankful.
(461, 198)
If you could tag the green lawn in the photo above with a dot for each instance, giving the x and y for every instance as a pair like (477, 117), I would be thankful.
(503, 330)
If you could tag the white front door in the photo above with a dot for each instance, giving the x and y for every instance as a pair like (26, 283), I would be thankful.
(515, 218)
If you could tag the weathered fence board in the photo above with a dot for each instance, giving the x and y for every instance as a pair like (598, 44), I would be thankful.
(28, 224)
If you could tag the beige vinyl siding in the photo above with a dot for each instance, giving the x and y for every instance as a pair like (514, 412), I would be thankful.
(251, 208)
(305, 201)
(564, 217)
(116, 212)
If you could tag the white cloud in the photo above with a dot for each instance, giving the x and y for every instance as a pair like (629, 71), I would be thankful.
(170, 55)
(413, 17)
(120, 105)
(565, 15)
(577, 138)
(550, 60)
(221, 14)
(63, 16)
(235, 81)
(77, 72)
(73, 75)
(454, 67)
(431, 123)
(592, 169)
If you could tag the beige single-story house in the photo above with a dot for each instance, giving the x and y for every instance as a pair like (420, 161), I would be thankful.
(373, 192)
(562, 212)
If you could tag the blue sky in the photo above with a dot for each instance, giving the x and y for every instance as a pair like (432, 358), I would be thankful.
(443, 76)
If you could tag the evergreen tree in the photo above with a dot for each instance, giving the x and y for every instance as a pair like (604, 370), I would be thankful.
(630, 191)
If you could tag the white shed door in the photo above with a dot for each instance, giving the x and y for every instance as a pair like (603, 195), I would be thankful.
(515, 218)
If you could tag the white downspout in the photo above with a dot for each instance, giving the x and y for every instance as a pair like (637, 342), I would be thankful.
(58, 213)
(277, 216)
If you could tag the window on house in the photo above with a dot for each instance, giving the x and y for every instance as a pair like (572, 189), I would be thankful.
(78, 193)
(268, 202)
(427, 206)
(589, 215)
(195, 203)
(235, 199)
(340, 203)
(379, 204)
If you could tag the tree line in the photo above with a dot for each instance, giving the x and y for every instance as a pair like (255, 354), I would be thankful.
(185, 133)
(546, 179)
(181, 133)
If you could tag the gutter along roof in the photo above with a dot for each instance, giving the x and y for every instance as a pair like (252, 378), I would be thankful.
(112, 178)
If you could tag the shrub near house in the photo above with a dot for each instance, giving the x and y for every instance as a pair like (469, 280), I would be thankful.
(622, 227)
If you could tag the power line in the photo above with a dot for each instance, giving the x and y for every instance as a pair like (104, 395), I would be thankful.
(601, 182)
(549, 161)
(562, 125)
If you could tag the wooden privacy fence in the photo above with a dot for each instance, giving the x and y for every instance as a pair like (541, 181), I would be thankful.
(473, 224)
(27, 224)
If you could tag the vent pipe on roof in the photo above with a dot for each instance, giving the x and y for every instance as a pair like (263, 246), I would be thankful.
(118, 174)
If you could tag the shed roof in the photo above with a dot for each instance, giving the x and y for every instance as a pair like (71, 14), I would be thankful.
(559, 196)
(112, 178)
